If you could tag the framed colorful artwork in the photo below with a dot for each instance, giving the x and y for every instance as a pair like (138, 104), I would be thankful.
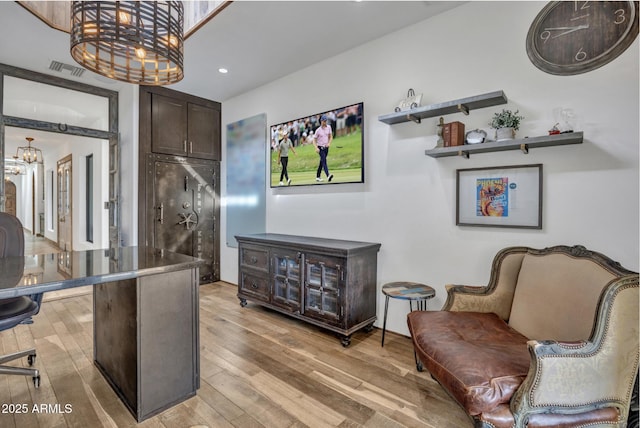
(507, 196)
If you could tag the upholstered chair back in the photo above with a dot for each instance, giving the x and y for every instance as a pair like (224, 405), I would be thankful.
(556, 296)
(11, 236)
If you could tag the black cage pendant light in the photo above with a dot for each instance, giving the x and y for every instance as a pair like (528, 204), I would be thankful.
(138, 42)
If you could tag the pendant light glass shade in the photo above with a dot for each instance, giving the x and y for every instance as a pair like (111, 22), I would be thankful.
(138, 42)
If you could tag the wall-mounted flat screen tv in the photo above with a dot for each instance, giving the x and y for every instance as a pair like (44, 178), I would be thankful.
(319, 149)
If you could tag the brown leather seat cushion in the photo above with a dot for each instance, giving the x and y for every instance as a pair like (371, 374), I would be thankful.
(477, 357)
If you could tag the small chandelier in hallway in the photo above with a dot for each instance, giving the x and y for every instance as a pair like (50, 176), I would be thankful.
(28, 153)
(139, 42)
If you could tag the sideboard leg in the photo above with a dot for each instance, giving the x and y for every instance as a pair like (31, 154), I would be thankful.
(345, 340)
(243, 302)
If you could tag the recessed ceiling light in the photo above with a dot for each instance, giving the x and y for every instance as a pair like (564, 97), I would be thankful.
(223, 70)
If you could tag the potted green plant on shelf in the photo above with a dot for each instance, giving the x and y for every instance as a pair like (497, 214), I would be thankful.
(506, 123)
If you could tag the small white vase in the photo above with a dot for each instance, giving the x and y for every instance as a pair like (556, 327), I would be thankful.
(505, 134)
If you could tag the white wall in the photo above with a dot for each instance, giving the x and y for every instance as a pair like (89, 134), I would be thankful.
(100, 151)
(408, 200)
(79, 148)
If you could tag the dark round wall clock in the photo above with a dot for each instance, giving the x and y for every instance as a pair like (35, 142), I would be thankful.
(573, 37)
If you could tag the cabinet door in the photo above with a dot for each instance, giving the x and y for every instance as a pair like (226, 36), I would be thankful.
(286, 279)
(203, 132)
(323, 282)
(168, 125)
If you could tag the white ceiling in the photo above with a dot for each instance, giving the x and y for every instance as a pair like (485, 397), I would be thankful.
(261, 41)
(257, 41)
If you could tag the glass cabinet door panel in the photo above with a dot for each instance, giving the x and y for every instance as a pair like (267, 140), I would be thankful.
(286, 279)
(294, 294)
(314, 275)
(319, 274)
(323, 277)
(330, 304)
(331, 275)
(322, 304)
(280, 289)
(314, 297)
(287, 289)
(287, 266)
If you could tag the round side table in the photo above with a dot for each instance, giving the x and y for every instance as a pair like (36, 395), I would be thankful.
(411, 291)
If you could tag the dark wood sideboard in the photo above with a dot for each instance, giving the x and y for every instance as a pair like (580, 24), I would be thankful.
(326, 282)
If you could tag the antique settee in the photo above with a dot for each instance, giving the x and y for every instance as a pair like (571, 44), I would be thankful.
(551, 341)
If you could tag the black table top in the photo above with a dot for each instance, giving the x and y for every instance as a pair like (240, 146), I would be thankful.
(27, 275)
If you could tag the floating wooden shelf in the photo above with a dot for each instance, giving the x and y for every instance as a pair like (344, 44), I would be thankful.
(463, 105)
(523, 144)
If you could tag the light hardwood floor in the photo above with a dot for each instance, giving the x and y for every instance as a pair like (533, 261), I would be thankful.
(258, 369)
(34, 245)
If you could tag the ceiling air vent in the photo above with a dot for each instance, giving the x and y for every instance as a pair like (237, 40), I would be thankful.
(62, 67)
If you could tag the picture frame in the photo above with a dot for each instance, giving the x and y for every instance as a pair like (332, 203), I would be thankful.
(503, 196)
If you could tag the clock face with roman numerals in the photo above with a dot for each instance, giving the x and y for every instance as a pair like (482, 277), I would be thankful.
(573, 37)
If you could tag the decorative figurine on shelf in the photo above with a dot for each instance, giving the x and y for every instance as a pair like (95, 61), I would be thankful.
(555, 130)
(410, 102)
(476, 136)
(439, 128)
(565, 118)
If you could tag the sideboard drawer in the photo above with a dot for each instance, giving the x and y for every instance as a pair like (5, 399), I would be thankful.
(257, 258)
(254, 285)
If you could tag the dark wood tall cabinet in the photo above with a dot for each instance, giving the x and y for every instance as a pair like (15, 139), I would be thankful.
(183, 128)
(179, 179)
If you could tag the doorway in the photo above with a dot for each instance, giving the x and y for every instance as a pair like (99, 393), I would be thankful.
(65, 204)
(10, 202)
(43, 103)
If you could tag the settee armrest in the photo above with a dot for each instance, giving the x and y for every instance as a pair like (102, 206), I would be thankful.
(497, 296)
(468, 298)
(576, 377)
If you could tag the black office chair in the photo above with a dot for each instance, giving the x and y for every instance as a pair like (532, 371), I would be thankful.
(16, 310)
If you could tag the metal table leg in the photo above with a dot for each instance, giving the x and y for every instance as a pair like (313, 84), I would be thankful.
(421, 305)
(384, 323)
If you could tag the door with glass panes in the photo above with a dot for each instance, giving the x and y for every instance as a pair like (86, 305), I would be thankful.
(286, 279)
(65, 209)
(322, 284)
